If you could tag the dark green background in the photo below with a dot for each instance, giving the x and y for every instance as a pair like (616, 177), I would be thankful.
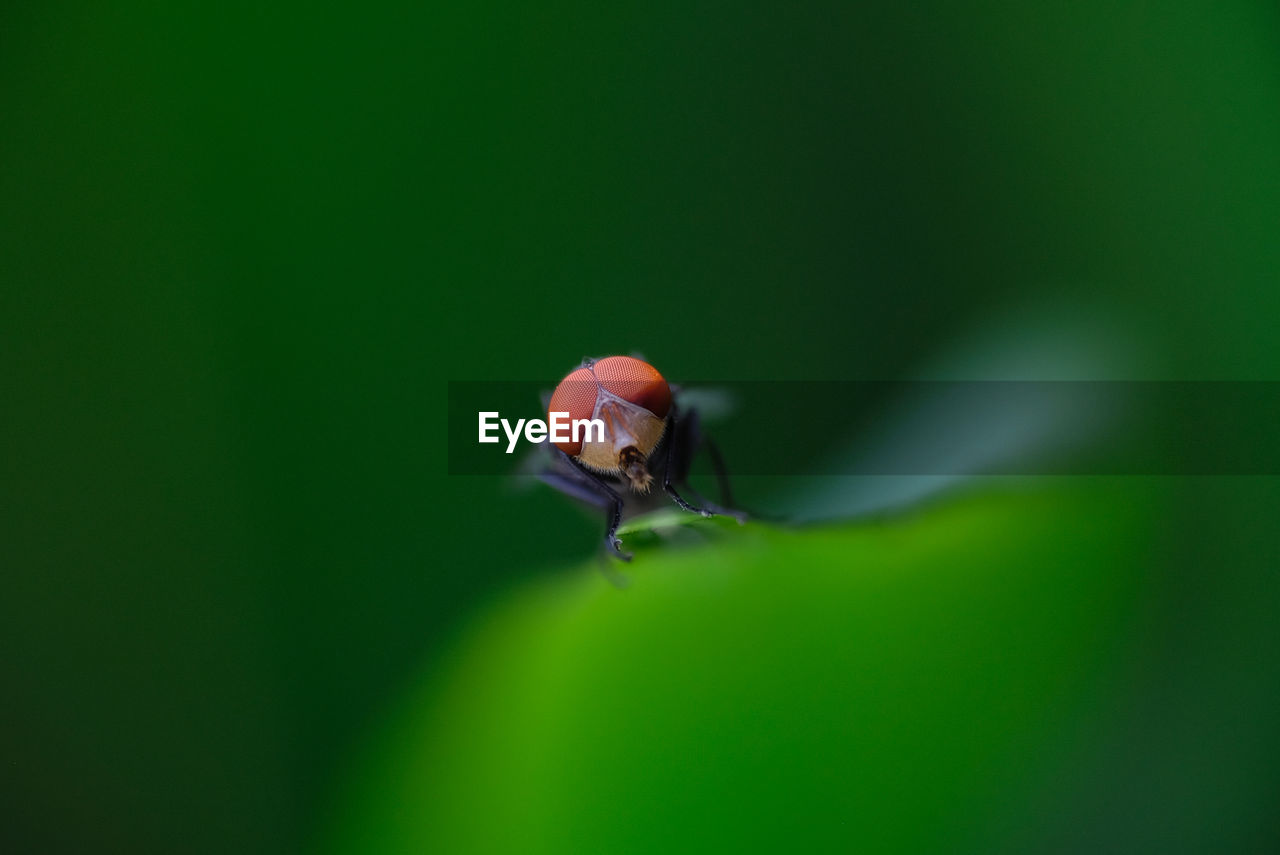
(243, 248)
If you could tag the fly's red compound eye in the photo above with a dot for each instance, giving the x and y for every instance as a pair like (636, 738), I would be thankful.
(627, 411)
(632, 380)
(576, 395)
(636, 381)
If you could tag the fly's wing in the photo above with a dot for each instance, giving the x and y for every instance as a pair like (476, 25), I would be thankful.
(573, 484)
(535, 459)
(712, 403)
(532, 463)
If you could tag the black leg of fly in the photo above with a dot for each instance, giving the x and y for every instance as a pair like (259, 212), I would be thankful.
(676, 497)
(581, 483)
(683, 440)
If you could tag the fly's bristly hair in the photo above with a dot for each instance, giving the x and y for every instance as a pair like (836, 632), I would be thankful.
(635, 470)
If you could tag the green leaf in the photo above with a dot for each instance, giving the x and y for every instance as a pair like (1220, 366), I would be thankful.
(896, 685)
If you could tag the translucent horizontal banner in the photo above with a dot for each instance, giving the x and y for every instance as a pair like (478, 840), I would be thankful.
(918, 427)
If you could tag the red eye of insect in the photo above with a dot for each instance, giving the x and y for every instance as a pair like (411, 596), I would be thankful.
(630, 379)
(641, 438)
(635, 381)
(576, 395)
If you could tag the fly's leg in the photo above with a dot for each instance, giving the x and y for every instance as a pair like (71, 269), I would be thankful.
(582, 483)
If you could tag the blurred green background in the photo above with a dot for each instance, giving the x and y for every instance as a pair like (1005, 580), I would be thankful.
(243, 248)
